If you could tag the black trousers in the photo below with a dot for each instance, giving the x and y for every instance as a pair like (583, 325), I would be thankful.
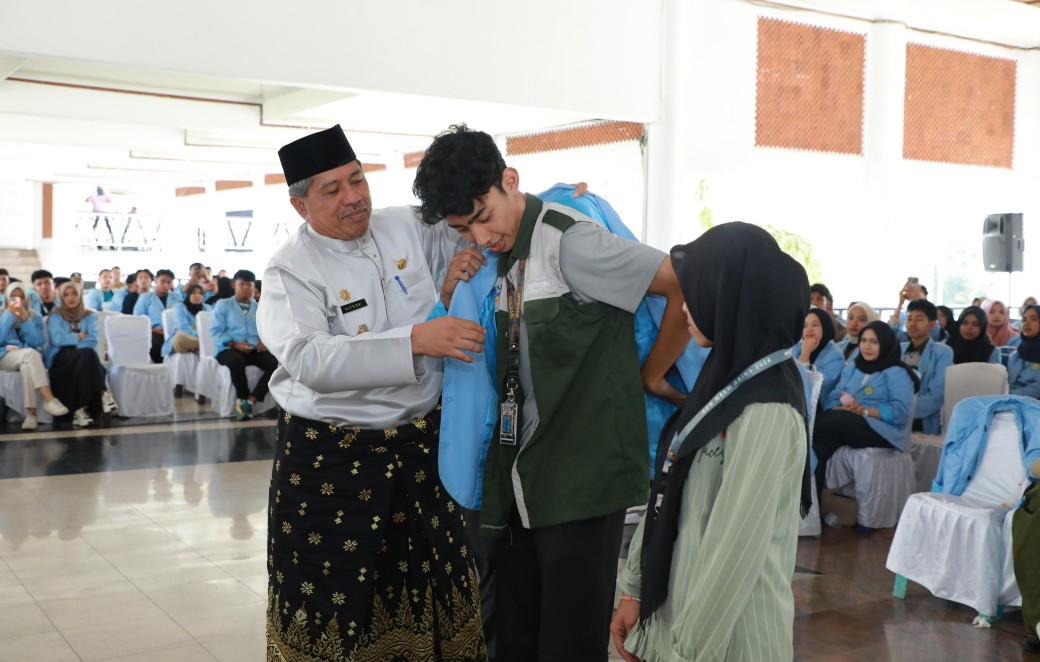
(77, 379)
(236, 362)
(483, 551)
(834, 429)
(555, 590)
(156, 351)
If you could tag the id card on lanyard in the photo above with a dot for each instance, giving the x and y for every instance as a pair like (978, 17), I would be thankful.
(510, 425)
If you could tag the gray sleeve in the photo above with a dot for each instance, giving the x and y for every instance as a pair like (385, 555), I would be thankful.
(600, 266)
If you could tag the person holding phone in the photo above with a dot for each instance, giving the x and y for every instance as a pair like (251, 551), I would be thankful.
(911, 291)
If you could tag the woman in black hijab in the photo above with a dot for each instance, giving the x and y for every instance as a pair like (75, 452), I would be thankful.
(225, 290)
(872, 404)
(969, 341)
(728, 528)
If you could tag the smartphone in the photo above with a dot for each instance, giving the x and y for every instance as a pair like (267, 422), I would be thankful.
(912, 280)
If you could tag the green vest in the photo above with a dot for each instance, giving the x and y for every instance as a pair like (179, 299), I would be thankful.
(587, 457)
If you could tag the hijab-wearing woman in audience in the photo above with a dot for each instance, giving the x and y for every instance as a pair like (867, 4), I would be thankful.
(709, 572)
(870, 407)
(817, 349)
(75, 369)
(998, 326)
(21, 339)
(946, 322)
(969, 341)
(1024, 364)
(225, 290)
(859, 315)
(185, 336)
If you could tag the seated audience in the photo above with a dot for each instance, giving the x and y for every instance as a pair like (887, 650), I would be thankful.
(930, 359)
(152, 305)
(1024, 364)
(75, 369)
(820, 297)
(257, 292)
(21, 339)
(977, 301)
(126, 288)
(858, 316)
(998, 326)
(946, 322)
(968, 342)
(196, 276)
(817, 349)
(871, 404)
(225, 289)
(103, 293)
(238, 343)
(43, 286)
(142, 285)
(185, 337)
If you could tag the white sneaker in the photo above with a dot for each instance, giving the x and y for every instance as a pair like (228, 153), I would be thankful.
(108, 403)
(55, 408)
(81, 418)
(29, 423)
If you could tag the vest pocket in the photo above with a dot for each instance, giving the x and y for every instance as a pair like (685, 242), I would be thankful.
(541, 310)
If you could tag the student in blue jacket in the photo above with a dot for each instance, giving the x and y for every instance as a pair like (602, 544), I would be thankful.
(1024, 364)
(871, 404)
(21, 339)
(930, 359)
(74, 367)
(818, 351)
(185, 336)
(152, 304)
(969, 341)
(239, 345)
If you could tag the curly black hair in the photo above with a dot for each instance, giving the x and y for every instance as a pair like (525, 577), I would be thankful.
(460, 166)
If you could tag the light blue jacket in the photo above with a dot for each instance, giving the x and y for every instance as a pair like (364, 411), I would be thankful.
(31, 332)
(95, 298)
(117, 298)
(829, 363)
(183, 322)
(151, 305)
(230, 325)
(61, 335)
(968, 431)
(935, 359)
(891, 391)
(1023, 378)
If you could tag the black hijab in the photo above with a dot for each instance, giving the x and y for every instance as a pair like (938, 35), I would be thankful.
(890, 354)
(225, 290)
(750, 299)
(1029, 348)
(827, 324)
(971, 351)
(193, 308)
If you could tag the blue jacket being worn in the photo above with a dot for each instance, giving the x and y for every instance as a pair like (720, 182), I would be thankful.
(230, 325)
(1023, 378)
(151, 305)
(30, 333)
(829, 363)
(95, 298)
(183, 322)
(968, 431)
(62, 335)
(117, 299)
(891, 391)
(935, 359)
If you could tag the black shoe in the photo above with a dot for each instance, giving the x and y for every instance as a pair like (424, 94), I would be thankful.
(178, 391)
(1031, 643)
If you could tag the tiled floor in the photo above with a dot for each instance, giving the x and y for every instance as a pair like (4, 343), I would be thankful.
(147, 543)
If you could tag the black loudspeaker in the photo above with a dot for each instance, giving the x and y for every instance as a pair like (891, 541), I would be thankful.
(1002, 243)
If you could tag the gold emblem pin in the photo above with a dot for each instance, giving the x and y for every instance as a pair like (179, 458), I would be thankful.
(402, 263)
(363, 328)
(344, 295)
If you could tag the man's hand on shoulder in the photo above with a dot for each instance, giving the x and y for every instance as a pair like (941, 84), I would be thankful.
(463, 266)
(446, 337)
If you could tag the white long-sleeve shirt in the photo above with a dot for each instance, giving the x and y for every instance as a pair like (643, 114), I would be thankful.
(338, 316)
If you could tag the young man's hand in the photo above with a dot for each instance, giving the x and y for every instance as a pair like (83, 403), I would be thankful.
(462, 267)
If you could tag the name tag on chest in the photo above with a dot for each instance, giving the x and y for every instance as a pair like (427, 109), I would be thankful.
(352, 306)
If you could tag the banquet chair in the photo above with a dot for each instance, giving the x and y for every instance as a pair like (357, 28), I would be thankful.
(182, 365)
(214, 380)
(140, 387)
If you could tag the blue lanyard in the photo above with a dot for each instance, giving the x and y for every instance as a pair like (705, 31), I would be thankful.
(775, 358)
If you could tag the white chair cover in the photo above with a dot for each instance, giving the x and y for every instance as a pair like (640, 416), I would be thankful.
(102, 346)
(958, 547)
(182, 366)
(880, 479)
(962, 381)
(11, 392)
(140, 388)
(810, 525)
(214, 380)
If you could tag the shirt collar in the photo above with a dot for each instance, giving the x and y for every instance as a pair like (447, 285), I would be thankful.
(341, 245)
(522, 245)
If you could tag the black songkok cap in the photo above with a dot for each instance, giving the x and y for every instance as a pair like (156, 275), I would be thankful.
(315, 154)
